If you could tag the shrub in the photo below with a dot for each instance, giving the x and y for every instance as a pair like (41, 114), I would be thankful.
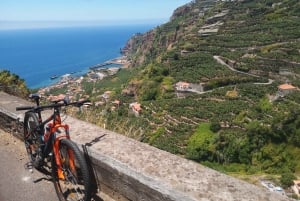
(200, 144)
(215, 126)
(286, 179)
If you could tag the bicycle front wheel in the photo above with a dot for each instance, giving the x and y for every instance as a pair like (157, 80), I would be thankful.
(71, 178)
(32, 136)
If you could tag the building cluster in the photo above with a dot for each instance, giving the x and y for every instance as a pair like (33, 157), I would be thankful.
(75, 90)
(99, 74)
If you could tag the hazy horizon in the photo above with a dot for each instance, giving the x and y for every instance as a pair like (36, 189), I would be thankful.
(21, 25)
(32, 14)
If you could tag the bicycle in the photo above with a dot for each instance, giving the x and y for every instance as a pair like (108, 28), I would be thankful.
(51, 141)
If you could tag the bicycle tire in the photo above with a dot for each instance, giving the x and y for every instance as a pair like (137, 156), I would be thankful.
(76, 183)
(32, 136)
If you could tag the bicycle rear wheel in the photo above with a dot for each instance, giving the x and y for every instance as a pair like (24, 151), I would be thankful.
(75, 184)
(32, 136)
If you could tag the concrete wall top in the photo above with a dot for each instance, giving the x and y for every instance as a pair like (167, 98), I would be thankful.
(172, 175)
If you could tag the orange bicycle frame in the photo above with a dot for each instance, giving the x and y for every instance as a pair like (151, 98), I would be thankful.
(56, 145)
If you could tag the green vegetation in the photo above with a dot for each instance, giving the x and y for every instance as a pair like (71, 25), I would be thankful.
(251, 131)
(13, 84)
(239, 124)
(201, 143)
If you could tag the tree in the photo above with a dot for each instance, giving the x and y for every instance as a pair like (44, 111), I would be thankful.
(200, 146)
(264, 105)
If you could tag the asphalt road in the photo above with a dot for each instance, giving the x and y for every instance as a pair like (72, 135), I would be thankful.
(16, 182)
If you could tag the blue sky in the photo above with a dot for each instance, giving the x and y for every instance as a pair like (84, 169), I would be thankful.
(88, 10)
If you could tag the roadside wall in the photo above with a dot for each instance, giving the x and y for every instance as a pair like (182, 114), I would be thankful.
(130, 170)
(8, 123)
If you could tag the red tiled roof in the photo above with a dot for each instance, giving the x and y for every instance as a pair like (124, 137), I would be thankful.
(286, 87)
(136, 106)
(183, 84)
(117, 102)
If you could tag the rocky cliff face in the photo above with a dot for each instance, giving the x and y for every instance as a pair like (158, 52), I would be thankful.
(138, 46)
(143, 48)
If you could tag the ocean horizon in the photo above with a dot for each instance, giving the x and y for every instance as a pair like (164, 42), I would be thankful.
(36, 55)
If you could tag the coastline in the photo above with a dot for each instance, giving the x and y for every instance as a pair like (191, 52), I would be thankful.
(105, 69)
(122, 60)
(39, 58)
(56, 80)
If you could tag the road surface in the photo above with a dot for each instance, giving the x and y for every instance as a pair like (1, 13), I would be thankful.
(17, 183)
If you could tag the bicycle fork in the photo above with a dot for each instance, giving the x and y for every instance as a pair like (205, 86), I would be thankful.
(57, 159)
(63, 160)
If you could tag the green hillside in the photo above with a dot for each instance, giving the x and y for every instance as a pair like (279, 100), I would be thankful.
(13, 84)
(234, 55)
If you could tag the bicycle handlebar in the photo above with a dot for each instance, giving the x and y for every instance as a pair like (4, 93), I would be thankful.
(55, 105)
(24, 108)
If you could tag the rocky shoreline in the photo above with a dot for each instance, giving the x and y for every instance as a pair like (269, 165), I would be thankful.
(73, 83)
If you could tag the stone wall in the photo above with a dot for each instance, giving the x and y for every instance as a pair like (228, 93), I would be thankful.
(10, 123)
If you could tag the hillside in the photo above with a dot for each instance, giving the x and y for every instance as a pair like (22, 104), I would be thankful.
(13, 84)
(210, 86)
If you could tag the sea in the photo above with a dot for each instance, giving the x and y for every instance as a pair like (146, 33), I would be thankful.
(36, 55)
